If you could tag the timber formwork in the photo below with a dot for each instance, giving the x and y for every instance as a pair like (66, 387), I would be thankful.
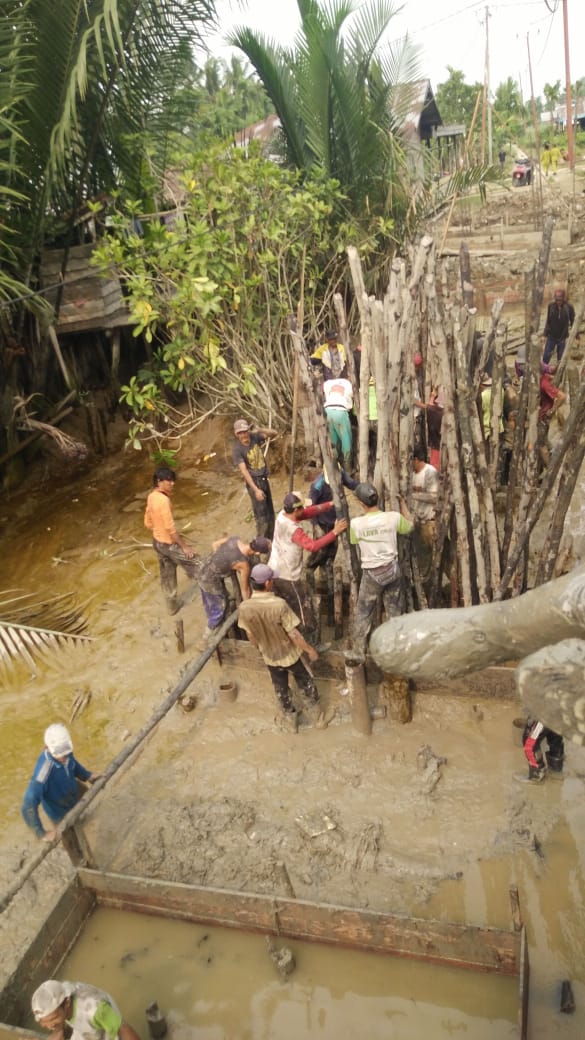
(452, 945)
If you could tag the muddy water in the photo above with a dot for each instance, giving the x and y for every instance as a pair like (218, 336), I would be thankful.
(215, 983)
(85, 534)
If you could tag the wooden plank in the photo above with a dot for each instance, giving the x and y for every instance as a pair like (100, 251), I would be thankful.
(494, 682)
(455, 945)
(46, 952)
(523, 987)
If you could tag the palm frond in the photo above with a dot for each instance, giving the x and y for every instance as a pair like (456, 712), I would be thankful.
(33, 629)
(275, 67)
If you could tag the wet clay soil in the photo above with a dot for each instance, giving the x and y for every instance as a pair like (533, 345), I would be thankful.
(222, 796)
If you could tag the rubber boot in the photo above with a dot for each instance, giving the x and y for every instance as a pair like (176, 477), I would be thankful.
(555, 763)
(535, 776)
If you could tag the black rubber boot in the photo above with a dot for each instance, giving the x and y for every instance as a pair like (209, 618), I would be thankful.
(535, 776)
(554, 762)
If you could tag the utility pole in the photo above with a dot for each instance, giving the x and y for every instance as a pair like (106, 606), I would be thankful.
(570, 144)
(536, 133)
(489, 104)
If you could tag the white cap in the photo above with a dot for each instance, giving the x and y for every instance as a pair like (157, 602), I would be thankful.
(49, 996)
(58, 740)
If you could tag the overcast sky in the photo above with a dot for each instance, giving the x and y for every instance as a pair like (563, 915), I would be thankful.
(452, 32)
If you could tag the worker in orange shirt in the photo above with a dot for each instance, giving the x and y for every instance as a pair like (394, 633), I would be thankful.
(167, 543)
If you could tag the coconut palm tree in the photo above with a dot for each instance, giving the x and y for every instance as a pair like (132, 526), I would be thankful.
(81, 88)
(552, 96)
(340, 95)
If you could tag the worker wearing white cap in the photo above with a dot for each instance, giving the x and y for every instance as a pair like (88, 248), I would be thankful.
(53, 784)
(90, 1013)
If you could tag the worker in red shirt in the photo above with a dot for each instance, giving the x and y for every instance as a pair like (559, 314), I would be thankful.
(286, 557)
(551, 398)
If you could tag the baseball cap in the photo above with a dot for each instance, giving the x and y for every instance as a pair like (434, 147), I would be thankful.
(241, 426)
(331, 334)
(262, 573)
(292, 501)
(261, 545)
(58, 740)
(48, 997)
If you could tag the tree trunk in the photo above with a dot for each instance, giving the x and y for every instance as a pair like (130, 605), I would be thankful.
(462, 641)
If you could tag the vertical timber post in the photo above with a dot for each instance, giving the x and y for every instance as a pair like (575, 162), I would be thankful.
(355, 674)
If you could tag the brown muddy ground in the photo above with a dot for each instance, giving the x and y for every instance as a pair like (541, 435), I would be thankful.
(221, 796)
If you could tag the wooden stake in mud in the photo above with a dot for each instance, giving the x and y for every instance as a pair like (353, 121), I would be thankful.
(180, 636)
(396, 691)
(355, 675)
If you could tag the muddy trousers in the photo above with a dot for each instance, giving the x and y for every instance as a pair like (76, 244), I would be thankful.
(169, 558)
(533, 737)
(339, 426)
(263, 511)
(303, 679)
(550, 346)
(368, 598)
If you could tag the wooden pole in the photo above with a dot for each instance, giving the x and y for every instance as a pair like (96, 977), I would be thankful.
(465, 154)
(314, 394)
(69, 382)
(78, 811)
(355, 675)
(438, 342)
(571, 435)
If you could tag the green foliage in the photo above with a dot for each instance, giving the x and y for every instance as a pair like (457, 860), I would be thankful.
(456, 99)
(212, 290)
(164, 457)
(80, 83)
(511, 116)
(342, 100)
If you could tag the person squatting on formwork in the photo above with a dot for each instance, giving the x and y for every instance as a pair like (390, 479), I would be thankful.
(77, 1011)
(171, 550)
(286, 557)
(338, 403)
(273, 628)
(54, 783)
(376, 536)
(534, 735)
(249, 458)
(560, 315)
(229, 556)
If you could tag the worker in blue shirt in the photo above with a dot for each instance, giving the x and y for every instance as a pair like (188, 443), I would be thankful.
(53, 784)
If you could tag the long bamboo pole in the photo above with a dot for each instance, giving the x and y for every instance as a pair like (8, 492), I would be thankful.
(75, 815)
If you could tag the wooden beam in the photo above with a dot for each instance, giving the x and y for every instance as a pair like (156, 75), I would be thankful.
(50, 946)
(438, 942)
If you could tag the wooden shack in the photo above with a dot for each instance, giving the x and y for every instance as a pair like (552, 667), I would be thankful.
(89, 301)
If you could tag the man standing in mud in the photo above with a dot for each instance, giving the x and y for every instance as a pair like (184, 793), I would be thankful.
(376, 535)
(560, 316)
(273, 628)
(167, 543)
(249, 459)
(54, 783)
